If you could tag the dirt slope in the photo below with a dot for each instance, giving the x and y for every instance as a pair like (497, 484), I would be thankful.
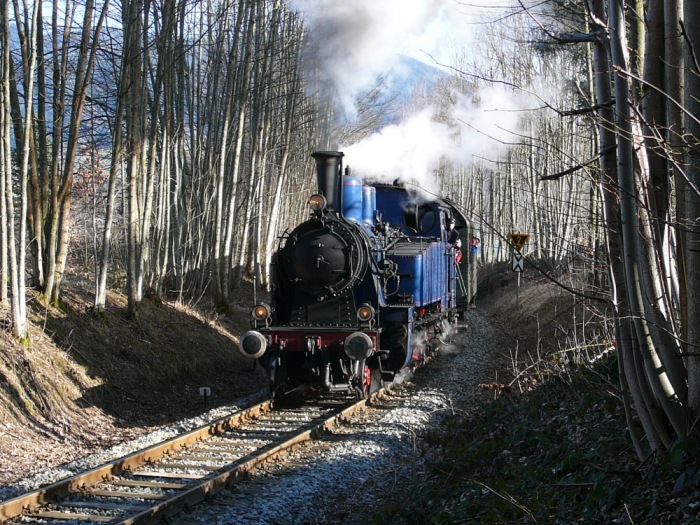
(86, 382)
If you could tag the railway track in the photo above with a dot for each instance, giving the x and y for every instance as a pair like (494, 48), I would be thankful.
(161, 480)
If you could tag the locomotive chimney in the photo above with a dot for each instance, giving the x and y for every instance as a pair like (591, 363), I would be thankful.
(328, 171)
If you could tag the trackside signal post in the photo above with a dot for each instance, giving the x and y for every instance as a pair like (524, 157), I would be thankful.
(518, 241)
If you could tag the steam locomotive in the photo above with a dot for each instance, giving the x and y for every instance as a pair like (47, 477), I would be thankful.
(367, 286)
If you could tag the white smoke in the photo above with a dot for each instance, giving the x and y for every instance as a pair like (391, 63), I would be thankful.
(355, 42)
(480, 125)
(407, 151)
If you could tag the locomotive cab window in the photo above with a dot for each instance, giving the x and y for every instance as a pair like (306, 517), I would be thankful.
(420, 218)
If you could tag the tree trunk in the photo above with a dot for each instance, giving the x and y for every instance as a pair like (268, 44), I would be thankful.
(690, 220)
(6, 151)
(135, 136)
(103, 269)
(633, 258)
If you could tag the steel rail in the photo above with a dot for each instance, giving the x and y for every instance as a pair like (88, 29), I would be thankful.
(34, 499)
(150, 512)
(218, 482)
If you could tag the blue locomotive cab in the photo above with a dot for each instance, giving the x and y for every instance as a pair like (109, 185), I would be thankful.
(406, 212)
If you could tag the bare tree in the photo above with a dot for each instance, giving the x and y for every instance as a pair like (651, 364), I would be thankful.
(690, 196)
(49, 167)
(16, 240)
(649, 326)
(6, 147)
(644, 194)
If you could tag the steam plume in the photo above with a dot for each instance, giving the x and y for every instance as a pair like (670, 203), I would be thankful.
(355, 42)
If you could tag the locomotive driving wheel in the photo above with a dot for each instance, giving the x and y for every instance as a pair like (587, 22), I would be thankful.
(363, 380)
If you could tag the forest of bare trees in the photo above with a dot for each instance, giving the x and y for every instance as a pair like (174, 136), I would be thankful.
(163, 147)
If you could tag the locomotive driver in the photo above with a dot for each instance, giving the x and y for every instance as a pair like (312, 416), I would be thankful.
(452, 233)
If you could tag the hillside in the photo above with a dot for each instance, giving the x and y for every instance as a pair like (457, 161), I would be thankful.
(552, 447)
(86, 382)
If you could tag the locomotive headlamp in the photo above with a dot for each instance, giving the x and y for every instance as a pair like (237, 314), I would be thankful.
(261, 312)
(365, 313)
(358, 346)
(317, 202)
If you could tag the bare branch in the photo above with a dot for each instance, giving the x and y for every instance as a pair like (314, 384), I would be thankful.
(589, 109)
(578, 166)
(690, 47)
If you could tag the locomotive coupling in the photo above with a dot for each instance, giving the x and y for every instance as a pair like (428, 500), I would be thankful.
(252, 344)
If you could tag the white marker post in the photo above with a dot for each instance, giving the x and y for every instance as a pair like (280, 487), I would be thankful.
(518, 241)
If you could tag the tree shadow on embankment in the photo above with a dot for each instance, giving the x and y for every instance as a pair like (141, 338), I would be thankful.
(147, 371)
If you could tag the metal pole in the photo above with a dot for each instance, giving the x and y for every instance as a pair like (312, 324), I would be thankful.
(517, 289)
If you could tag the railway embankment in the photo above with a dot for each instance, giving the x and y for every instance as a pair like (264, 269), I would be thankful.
(86, 382)
(551, 445)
